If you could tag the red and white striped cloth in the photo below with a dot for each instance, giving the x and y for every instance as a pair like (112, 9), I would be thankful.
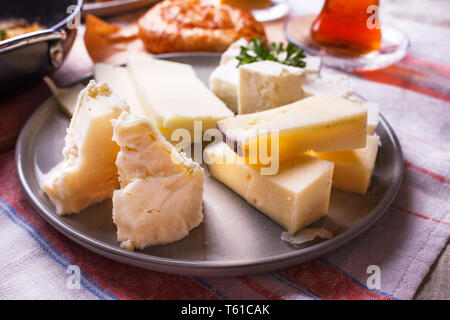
(413, 96)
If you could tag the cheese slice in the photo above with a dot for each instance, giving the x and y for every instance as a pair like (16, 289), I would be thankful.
(224, 81)
(340, 86)
(353, 168)
(88, 174)
(67, 97)
(233, 51)
(321, 123)
(174, 96)
(373, 113)
(160, 199)
(118, 78)
(295, 197)
(266, 84)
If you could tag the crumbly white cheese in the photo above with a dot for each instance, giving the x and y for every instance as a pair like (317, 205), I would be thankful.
(161, 194)
(88, 174)
(266, 84)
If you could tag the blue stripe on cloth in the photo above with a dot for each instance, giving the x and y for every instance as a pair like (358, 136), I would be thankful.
(356, 280)
(210, 287)
(51, 251)
(280, 277)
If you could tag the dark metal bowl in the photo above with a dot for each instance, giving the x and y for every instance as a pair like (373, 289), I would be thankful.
(28, 57)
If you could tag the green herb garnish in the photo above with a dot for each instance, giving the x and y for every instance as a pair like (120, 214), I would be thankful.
(258, 51)
(2, 34)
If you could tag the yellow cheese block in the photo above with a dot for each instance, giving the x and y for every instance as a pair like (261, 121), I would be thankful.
(295, 197)
(173, 95)
(161, 195)
(88, 173)
(353, 168)
(320, 123)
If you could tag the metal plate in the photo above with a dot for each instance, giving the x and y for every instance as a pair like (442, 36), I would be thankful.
(113, 7)
(235, 238)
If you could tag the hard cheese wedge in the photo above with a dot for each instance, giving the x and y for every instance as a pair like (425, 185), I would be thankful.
(88, 173)
(294, 198)
(353, 168)
(340, 86)
(174, 96)
(118, 78)
(266, 84)
(373, 113)
(321, 123)
(161, 193)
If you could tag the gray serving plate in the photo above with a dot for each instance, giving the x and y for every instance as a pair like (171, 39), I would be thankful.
(235, 238)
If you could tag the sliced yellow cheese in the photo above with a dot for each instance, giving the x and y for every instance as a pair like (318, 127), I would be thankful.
(294, 198)
(67, 97)
(173, 95)
(320, 123)
(353, 168)
(118, 78)
(161, 194)
(266, 84)
(88, 174)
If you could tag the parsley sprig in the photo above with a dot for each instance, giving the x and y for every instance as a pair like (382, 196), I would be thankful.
(290, 55)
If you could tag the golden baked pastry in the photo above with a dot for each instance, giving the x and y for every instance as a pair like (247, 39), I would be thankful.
(189, 25)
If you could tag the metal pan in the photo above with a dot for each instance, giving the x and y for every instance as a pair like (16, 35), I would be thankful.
(26, 58)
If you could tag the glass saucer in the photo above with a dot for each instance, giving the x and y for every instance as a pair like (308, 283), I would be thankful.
(394, 46)
(277, 10)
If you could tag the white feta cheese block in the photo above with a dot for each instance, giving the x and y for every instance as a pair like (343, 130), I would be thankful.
(224, 81)
(88, 173)
(174, 96)
(161, 194)
(313, 65)
(233, 51)
(266, 84)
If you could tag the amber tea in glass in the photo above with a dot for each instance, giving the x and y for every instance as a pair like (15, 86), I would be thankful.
(345, 27)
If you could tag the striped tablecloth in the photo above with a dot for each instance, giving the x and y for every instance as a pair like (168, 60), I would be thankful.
(36, 261)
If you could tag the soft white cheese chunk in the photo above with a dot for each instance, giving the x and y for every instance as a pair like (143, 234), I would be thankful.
(88, 174)
(161, 195)
(233, 51)
(313, 65)
(174, 96)
(266, 84)
(224, 81)
(336, 85)
(295, 197)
